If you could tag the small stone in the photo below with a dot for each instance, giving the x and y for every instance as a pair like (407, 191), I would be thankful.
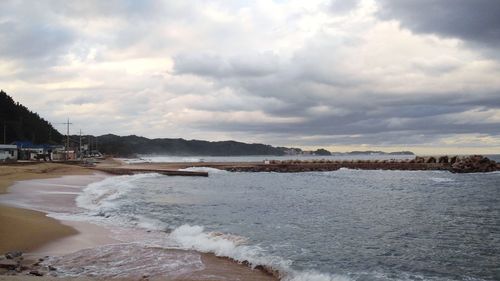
(51, 268)
(8, 264)
(14, 254)
(36, 273)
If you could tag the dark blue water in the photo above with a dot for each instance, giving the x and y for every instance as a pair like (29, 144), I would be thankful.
(359, 225)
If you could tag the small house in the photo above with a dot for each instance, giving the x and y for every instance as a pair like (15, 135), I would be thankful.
(29, 151)
(8, 153)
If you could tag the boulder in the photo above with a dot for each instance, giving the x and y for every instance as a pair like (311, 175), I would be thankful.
(474, 164)
(453, 160)
(419, 159)
(430, 160)
(443, 159)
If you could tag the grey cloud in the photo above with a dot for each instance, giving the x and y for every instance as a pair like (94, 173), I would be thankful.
(343, 6)
(476, 21)
(23, 40)
(207, 64)
(320, 88)
(124, 9)
(315, 78)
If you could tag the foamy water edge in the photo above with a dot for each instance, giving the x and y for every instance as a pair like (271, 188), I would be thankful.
(97, 199)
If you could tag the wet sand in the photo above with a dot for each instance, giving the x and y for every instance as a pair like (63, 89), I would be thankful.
(39, 235)
(23, 229)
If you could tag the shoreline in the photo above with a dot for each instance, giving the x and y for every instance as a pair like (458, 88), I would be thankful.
(61, 238)
(23, 228)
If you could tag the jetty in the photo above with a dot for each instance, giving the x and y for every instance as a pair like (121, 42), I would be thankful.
(454, 164)
(132, 171)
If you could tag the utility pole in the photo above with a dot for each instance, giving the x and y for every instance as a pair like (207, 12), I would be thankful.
(80, 147)
(67, 137)
(90, 145)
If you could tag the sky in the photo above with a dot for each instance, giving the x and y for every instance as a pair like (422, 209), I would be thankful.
(421, 75)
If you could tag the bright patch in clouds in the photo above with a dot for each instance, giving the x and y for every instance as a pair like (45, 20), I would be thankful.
(336, 74)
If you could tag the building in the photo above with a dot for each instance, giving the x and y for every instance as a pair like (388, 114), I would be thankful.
(29, 151)
(8, 153)
(59, 153)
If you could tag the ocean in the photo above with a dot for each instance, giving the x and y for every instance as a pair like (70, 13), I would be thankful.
(257, 158)
(340, 225)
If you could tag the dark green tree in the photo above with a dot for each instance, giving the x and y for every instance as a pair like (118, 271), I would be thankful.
(21, 124)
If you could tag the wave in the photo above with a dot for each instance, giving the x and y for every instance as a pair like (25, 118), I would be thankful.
(101, 194)
(160, 159)
(204, 169)
(126, 260)
(103, 201)
(439, 180)
(234, 247)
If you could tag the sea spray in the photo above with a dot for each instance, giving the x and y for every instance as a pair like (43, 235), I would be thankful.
(100, 195)
(204, 169)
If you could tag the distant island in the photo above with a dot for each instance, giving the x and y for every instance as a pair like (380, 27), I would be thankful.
(371, 152)
(22, 125)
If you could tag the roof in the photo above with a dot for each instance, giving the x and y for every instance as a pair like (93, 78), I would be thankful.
(28, 144)
(8, 146)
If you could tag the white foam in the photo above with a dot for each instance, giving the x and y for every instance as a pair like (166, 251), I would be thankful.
(160, 159)
(223, 245)
(128, 260)
(102, 198)
(442, 180)
(314, 276)
(101, 194)
(194, 238)
(204, 169)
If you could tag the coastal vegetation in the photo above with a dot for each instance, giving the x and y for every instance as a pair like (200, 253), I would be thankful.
(18, 123)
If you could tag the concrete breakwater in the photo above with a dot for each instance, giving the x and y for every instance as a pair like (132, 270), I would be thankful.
(455, 164)
(132, 171)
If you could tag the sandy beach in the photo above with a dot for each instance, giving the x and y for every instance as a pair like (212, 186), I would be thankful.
(47, 187)
(23, 229)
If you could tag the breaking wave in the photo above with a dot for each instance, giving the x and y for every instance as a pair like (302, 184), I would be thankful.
(102, 201)
(234, 247)
(204, 169)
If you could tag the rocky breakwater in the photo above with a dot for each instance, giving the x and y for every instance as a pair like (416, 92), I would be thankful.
(474, 164)
(455, 164)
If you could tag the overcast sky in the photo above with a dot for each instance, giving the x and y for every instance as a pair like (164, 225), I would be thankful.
(369, 74)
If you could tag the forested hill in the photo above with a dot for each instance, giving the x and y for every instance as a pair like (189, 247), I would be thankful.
(23, 125)
(129, 145)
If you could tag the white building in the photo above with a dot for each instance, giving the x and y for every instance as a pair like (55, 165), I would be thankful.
(8, 152)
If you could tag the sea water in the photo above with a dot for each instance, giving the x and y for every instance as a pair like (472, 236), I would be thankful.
(259, 158)
(339, 225)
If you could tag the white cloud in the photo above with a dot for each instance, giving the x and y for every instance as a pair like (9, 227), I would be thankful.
(272, 71)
